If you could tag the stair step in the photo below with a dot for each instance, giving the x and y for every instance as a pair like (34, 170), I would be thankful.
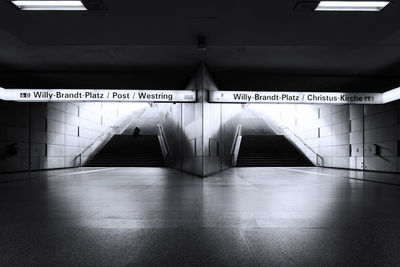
(129, 151)
(269, 151)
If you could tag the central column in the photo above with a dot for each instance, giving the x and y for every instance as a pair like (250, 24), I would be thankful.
(208, 128)
(200, 135)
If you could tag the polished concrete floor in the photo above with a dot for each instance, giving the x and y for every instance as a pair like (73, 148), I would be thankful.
(162, 217)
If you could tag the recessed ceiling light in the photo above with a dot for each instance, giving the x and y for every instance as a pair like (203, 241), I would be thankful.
(49, 5)
(351, 5)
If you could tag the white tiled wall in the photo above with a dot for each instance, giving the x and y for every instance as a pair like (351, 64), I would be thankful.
(58, 132)
(346, 135)
(327, 130)
(14, 129)
(71, 127)
(381, 128)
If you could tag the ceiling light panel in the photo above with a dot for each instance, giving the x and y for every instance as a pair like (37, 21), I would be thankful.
(351, 5)
(49, 5)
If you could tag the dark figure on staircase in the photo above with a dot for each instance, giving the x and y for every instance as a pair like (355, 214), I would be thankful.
(136, 132)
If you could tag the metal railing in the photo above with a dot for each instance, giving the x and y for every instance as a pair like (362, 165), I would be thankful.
(115, 129)
(107, 137)
(319, 160)
(163, 140)
(236, 145)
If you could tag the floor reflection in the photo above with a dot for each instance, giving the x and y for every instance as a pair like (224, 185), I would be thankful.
(160, 216)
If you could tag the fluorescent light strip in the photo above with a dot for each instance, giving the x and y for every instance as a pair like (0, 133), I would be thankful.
(391, 95)
(49, 5)
(351, 5)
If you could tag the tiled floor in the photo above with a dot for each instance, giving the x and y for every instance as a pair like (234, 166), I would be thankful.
(162, 217)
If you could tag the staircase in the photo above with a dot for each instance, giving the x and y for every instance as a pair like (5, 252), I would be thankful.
(269, 151)
(129, 151)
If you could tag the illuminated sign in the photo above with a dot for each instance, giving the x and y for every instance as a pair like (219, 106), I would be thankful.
(85, 95)
(188, 96)
(294, 97)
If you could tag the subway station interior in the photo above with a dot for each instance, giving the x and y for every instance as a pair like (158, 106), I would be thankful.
(199, 133)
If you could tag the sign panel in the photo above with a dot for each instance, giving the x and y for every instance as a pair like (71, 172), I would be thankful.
(86, 95)
(294, 97)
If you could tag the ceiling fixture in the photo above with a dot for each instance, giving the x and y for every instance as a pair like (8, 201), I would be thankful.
(201, 43)
(351, 5)
(49, 5)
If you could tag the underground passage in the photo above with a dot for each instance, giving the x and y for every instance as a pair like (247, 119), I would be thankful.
(209, 133)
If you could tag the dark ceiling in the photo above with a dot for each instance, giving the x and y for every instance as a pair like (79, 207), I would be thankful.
(253, 45)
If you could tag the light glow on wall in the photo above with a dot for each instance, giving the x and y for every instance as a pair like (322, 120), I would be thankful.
(298, 123)
(125, 108)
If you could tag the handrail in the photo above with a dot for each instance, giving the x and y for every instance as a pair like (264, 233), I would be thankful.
(279, 129)
(88, 147)
(105, 140)
(163, 140)
(236, 145)
(317, 156)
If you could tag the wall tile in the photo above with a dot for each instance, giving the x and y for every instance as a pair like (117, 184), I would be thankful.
(381, 134)
(379, 120)
(357, 125)
(341, 116)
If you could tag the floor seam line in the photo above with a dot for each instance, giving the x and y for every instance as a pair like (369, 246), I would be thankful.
(248, 245)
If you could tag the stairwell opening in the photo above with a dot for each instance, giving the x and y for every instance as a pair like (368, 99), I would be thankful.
(129, 151)
(137, 145)
(269, 151)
